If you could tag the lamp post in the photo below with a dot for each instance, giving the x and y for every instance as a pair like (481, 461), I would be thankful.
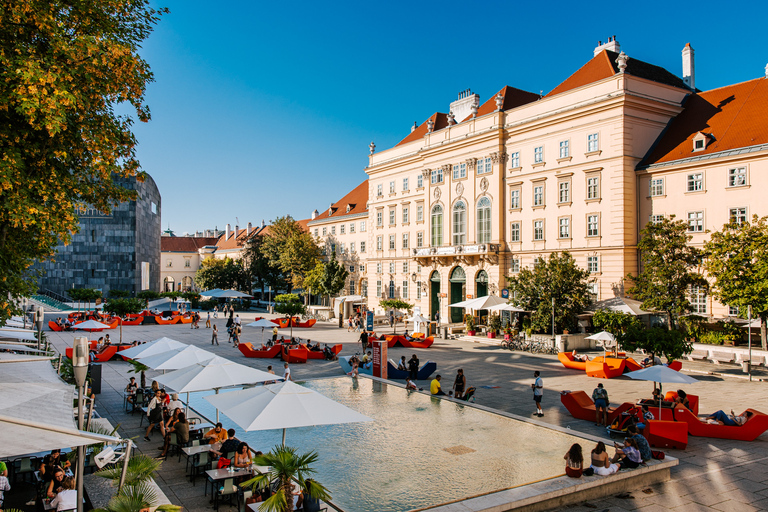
(39, 317)
(749, 339)
(80, 353)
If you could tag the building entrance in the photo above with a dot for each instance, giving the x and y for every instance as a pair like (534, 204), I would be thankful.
(434, 294)
(458, 293)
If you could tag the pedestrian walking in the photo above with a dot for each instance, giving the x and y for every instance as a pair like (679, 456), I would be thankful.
(392, 318)
(215, 312)
(600, 397)
(459, 383)
(215, 335)
(236, 335)
(208, 321)
(538, 392)
(364, 340)
(350, 323)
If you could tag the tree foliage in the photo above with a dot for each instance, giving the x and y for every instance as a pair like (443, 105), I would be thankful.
(397, 305)
(258, 267)
(559, 278)
(672, 344)
(669, 267)
(290, 249)
(289, 305)
(222, 273)
(123, 307)
(64, 67)
(737, 261)
(615, 322)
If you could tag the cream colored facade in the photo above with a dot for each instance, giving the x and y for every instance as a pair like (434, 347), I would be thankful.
(179, 268)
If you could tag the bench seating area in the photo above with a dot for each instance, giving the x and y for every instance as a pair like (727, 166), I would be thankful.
(581, 406)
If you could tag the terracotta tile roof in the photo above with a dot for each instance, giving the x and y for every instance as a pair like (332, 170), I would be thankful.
(603, 65)
(357, 200)
(225, 243)
(440, 120)
(184, 243)
(512, 98)
(731, 117)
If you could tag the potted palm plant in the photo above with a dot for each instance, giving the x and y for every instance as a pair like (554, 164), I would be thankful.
(494, 325)
(469, 322)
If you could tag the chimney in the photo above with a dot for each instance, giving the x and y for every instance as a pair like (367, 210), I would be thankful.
(248, 229)
(237, 230)
(689, 73)
(612, 45)
(462, 107)
(263, 224)
(315, 214)
(227, 231)
(415, 125)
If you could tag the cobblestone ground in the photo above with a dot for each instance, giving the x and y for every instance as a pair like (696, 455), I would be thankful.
(713, 474)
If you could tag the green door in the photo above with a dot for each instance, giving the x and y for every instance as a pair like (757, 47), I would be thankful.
(458, 293)
(434, 294)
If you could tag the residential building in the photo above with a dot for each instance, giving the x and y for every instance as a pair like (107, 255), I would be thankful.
(181, 258)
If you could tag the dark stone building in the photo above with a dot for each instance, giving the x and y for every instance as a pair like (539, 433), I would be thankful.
(120, 250)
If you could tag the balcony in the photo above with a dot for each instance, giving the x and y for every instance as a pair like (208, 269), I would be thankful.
(466, 253)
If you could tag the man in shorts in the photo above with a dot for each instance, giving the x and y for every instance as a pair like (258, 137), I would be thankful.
(538, 392)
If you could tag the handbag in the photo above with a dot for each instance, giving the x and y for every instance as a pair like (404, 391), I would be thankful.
(224, 463)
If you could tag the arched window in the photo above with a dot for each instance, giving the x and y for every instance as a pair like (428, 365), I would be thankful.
(459, 223)
(484, 221)
(186, 283)
(168, 284)
(437, 226)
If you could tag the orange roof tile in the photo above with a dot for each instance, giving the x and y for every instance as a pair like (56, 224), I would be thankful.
(184, 243)
(513, 98)
(357, 200)
(732, 117)
(603, 65)
(440, 120)
(238, 242)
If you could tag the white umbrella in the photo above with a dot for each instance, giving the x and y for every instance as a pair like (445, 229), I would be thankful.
(17, 335)
(602, 336)
(479, 303)
(214, 374)
(212, 293)
(661, 374)
(18, 348)
(233, 294)
(157, 346)
(417, 321)
(505, 307)
(91, 325)
(282, 405)
(176, 359)
(264, 324)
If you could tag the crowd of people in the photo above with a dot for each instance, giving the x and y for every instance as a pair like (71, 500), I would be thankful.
(632, 453)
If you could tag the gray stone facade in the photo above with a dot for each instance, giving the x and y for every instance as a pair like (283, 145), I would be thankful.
(116, 251)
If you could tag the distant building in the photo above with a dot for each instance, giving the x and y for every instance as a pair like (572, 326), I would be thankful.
(181, 257)
(115, 251)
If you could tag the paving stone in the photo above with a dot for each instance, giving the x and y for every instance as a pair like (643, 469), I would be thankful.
(735, 506)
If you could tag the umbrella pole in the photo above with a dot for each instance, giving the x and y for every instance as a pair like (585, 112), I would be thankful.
(283, 437)
(187, 404)
(217, 409)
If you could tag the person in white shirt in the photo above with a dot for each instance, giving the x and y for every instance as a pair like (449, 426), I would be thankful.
(237, 319)
(175, 403)
(4, 486)
(66, 499)
(287, 373)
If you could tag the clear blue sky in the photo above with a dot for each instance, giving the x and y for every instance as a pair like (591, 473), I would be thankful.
(262, 109)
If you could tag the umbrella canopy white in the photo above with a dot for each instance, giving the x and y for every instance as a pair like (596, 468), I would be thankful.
(479, 302)
(18, 348)
(417, 319)
(214, 374)
(623, 305)
(176, 359)
(282, 405)
(212, 293)
(233, 294)
(17, 335)
(602, 336)
(90, 325)
(505, 307)
(662, 374)
(157, 346)
(264, 324)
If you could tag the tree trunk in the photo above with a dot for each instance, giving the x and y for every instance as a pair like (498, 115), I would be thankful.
(287, 487)
(670, 321)
(763, 319)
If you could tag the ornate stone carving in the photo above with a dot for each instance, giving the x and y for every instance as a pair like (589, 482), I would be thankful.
(484, 184)
(436, 194)
(495, 157)
(499, 101)
(621, 60)
(372, 147)
(471, 163)
(446, 168)
(430, 126)
(459, 188)
(426, 173)
(451, 118)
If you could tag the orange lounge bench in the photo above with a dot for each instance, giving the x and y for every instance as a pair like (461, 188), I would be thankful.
(666, 434)
(567, 359)
(419, 344)
(693, 401)
(133, 321)
(304, 325)
(172, 321)
(753, 428)
(295, 355)
(319, 354)
(248, 351)
(605, 368)
(581, 406)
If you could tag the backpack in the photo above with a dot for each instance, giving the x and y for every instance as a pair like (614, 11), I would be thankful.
(657, 455)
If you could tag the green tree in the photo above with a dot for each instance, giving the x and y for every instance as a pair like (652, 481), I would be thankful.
(558, 278)
(672, 344)
(64, 68)
(313, 281)
(123, 307)
(737, 261)
(289, 305)
(614, 322)
(258, 266)
(84, 295)
(141, 369)
(334, 277)
(222, 273)
(396, 304)
(119, 294)
(286, 465)
(290, 249)
(148, 295)
(136, 494)
(668, 268)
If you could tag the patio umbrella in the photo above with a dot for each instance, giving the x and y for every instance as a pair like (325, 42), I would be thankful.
(18, 335)
(417, 321)
(213, 374)
(90, 325)
(479, 303)
(661, 374)
(264, 324)
(19, 348)
(177, 358)
(233, 294)
(212, 293)
(157, 346)
(505, 307)
(281, 406)
(603, 337)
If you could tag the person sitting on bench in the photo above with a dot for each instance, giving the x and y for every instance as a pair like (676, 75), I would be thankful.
(729, 420)
(582, 358)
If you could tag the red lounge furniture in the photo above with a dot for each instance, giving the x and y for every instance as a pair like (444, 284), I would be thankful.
(295, 355)
(133, 321)
(92, 344)
(319, 354)
(676, 365)
(305, 325)
(581, 406)
(605, 369)
(631, 365)
(419, 344)
(666, 434)
(248, 351)
(393, 340)
(55, 327)
(185, 319)
(754, 426)
(109, 353)
(281, 322)
(693, 401)
(172, 321)
(567, 359)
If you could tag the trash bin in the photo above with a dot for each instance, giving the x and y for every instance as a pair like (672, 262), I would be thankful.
(94, 372)
(445, 333)
(745, 366)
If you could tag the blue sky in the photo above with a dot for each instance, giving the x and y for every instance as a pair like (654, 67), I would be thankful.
(262, 109)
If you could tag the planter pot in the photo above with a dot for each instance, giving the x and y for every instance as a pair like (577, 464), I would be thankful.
(491, 334)
(471, 333)
(507, 337)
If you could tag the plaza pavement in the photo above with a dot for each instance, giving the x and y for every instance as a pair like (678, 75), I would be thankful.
(713, 475)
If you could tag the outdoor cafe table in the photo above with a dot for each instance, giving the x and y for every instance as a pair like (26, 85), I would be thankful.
(215, 475)
(194, 451)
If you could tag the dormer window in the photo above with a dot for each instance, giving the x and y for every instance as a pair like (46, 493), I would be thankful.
(700, 141)
(348, 208)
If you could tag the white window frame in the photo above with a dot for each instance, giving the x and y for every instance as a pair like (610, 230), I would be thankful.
(405, 240)
(379, 243)
(738, 215)
(538, 154)
(696, 221)
(538, 195)
(656, 187)
(405, 185)
(514, 232)
(405, 215)
(391, 187)
(392, 217)
(419, 181)
(392, 243)
(538, 230)
(564, 191)
(593, 224)
(694, 182)
(656, 218)
(436, 176)
(514, 266)
(362, 226)
(420, 239)
(404, 290)
(405, 267)
(420, 213)
(593, 142)
(351, 227)
(362, 247)
(698, 299)
(379, 218)
(514, 199)
(459, 223)
(343, 229)
(593, 264)
(436, 226)
(737, 177)
(593, 187)
(514, 160)
(565, 150)
(379, 190)
(564, 227)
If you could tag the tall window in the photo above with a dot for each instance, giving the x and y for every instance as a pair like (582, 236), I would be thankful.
(404, 290)
(378, 267)
(391, 187)
(419, 181)
(418, 290)
(391, 267)
(379, 243)
(593, 188)
(351, 286)
(565, 191)
(698, 299)
(362, 226)
(419, 213)
(484, 165)
(187, 263)
(333, 230)
(379, 190)
(437, 226)
(342, 229)
(391, 242)
(392, 217)
(538, 230)
(437, 176)
(514, 199)
(405, 240)
(459, 223)
(420, 239)
(514, 159)
(351, 246)
(538, 195)
(738, 215)
(514, 232)
(696, 182)
(565, 149)
(351, 227)
(325, 231)
(593, 225)
(362, 246)
(378, 288)
(405, 214)
(695, 222)
(459, 171)
(514, 266)
(538, 154)
(657, 187)
(484, 221)
(391, 289)
(593, 142)
(565, 227)
(379, 218)
(593, 264)
(405, 184)
(737, 177)
(405, 267)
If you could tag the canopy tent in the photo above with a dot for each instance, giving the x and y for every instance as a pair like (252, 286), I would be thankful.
(233, 294)
(604, 339)
(662, 374)
(418, 320)
(281, 406)
(479, 303)
(622, 305)
(177, 358)
(214, 374)
(157, 346)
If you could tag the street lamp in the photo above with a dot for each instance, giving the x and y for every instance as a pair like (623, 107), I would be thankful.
(39, 318)
(80, 356)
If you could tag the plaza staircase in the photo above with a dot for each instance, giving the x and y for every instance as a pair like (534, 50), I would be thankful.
(49, 303)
